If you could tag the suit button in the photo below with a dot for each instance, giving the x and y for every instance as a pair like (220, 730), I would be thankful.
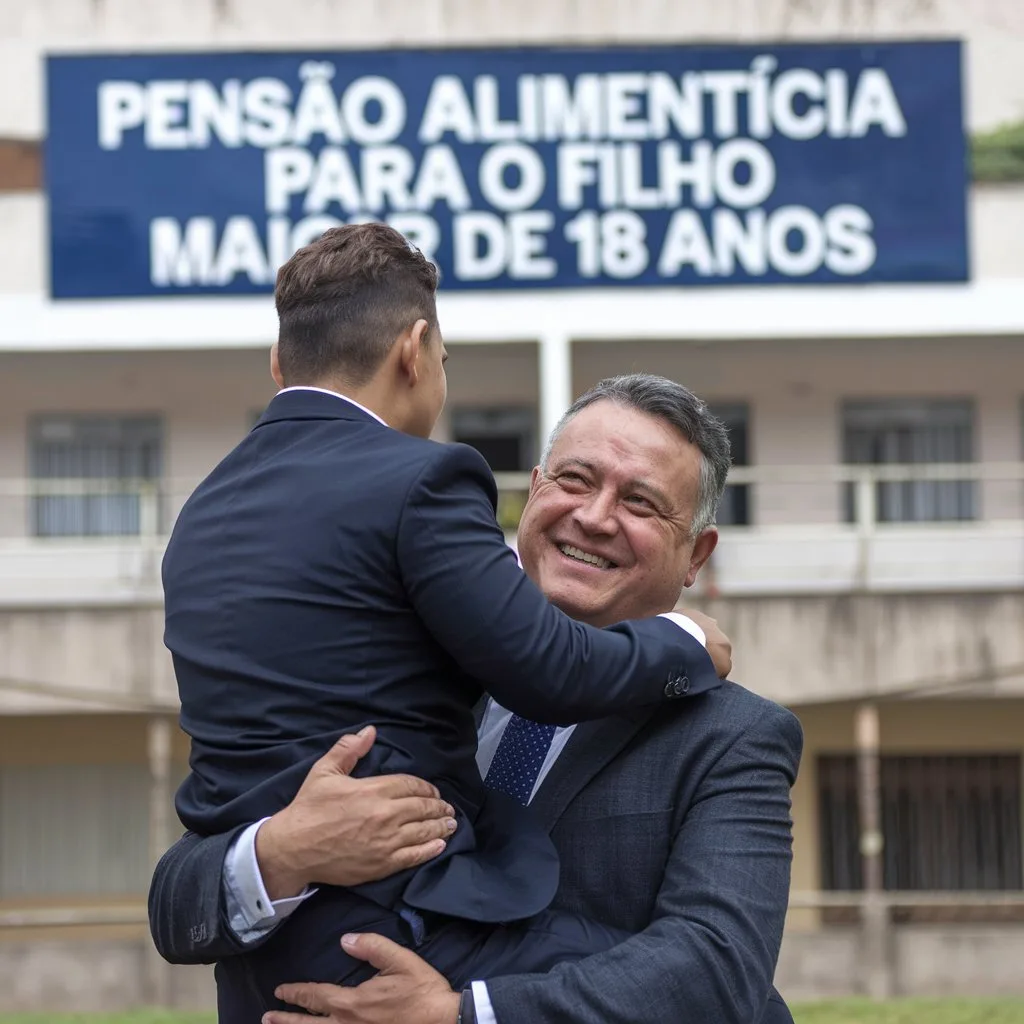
(676, 686)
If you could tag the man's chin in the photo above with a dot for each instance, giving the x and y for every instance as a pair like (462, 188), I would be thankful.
(585, 608)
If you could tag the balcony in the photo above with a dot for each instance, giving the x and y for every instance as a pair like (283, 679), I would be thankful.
(810, 530)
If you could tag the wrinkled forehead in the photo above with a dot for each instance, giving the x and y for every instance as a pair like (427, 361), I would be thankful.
(623, 444)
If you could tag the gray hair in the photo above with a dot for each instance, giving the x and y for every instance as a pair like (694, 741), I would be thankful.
(681, 408)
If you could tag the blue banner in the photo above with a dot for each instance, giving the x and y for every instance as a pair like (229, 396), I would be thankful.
(173, 174)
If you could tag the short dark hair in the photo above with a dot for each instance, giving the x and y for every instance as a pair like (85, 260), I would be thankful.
(343, 299)
(680, 408)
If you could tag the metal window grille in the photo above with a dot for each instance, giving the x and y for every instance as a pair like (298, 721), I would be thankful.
(892, 431)
(88, 470)
(951, 823)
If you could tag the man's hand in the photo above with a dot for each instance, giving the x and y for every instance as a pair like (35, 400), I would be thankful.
(406, 989)
(719, 646)
(344, 831)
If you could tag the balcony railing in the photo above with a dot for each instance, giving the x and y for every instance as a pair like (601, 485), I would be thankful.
(786, 529)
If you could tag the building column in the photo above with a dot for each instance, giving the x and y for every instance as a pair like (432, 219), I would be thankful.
(876, 926)
(555, 358)
(160, 800)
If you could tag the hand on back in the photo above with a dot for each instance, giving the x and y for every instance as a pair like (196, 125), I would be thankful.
(346, 831)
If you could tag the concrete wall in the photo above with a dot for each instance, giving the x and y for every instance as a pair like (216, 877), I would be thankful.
(110, 975)
(805, 650)
(800, 650)
(927, 961)
(99, 975)
(993, 29)
(116, 651)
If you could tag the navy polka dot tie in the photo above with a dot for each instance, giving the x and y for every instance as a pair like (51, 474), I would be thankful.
(519, 757)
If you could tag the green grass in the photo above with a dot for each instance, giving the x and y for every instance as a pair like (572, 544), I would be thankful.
(912, 1011)
(853, 1011)
(139, 1017)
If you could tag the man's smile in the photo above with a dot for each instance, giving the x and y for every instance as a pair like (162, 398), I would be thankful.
(585, 557)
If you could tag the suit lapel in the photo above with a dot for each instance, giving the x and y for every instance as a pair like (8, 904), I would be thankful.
(591, 746)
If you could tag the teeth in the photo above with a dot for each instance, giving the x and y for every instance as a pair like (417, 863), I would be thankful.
(583, 556)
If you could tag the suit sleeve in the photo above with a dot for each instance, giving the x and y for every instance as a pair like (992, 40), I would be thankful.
(466, 585)
(187, 915)
(709, 954)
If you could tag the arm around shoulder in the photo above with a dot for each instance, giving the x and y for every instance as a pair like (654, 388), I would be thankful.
(465, 584)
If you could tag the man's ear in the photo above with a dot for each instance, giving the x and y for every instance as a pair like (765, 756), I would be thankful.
(702, 548)
(410, 350)
(535, 479)
(275, 366)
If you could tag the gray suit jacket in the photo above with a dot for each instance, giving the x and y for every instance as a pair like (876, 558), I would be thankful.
(674, 825)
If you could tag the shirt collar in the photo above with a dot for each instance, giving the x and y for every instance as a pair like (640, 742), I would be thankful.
(336, 394)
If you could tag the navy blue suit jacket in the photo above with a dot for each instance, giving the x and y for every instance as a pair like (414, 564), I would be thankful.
(332, 573)
(672, 824)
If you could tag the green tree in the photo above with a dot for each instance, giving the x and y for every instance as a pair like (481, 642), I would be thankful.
(998, 155)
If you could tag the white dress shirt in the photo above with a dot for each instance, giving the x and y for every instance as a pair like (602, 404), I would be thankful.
(251, 912)
(336, 394)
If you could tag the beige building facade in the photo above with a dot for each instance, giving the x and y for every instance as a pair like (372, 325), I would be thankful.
(871, 567)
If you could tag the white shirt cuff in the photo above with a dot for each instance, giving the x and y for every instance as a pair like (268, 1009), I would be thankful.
(251, 912)
(482, 1004)
(685, 622)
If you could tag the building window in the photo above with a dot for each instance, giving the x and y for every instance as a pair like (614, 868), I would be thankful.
(734, 509)
(878, 433)
(949, 822)
(91, 475)
(505, 437)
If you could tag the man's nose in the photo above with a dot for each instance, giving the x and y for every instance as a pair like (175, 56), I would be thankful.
(596, 514)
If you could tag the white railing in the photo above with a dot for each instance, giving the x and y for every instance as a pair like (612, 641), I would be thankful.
(808, 529)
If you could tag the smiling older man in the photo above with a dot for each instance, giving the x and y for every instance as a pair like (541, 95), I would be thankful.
(672, 825)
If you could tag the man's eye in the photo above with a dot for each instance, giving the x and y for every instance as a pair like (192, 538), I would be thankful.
(571, 478)
(639, 501)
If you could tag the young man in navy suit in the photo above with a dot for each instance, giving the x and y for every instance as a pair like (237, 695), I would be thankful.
(339, 570)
